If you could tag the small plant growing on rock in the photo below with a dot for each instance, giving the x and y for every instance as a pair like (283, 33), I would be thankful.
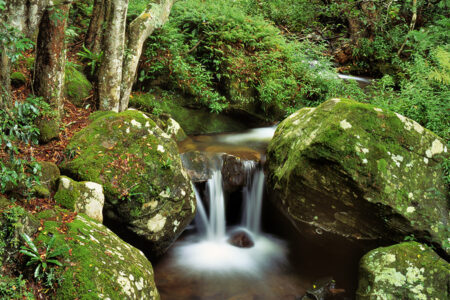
(43, 258)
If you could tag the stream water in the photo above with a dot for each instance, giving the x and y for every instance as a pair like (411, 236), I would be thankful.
(205, 262)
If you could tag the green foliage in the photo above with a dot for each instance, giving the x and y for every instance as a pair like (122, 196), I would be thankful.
(135, 7)
(91, 59)
(10, 221)
(424, 85)
(43, 259)
(17, 125)
(14, 288)
(215, 52)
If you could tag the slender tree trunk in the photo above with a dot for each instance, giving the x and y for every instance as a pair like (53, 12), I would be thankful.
(139, 30)
(94, 35)
(5, 80)
(50, 56)
(110, 72)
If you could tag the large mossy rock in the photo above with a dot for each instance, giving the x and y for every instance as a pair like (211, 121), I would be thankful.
(76, 86)
(98, 264)
(352, 170)
(404, 271)
(146, 187)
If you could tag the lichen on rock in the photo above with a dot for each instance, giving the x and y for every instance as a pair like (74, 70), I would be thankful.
(138, 165)
(403, 271)
(359, 172)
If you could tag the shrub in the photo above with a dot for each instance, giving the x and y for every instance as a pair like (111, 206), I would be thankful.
(214, 51)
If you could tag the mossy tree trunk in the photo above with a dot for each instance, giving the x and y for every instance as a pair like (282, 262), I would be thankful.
(50, 56)
(118, 69)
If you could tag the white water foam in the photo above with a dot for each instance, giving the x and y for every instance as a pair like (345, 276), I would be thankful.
(209, 251)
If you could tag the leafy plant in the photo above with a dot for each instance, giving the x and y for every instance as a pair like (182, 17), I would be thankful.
(92, 59)
(43, 258)
(17, 126)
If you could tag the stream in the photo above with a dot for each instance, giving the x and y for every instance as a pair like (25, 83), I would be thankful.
(238, 246)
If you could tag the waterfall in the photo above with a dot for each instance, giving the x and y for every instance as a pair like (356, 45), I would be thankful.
(214, 226)
(252, 196)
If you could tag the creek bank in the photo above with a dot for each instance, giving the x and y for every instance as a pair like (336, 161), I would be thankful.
(148, 194)
(360, 173)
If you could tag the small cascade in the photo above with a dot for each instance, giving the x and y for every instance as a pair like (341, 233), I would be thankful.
(252, 196)
(241, 250)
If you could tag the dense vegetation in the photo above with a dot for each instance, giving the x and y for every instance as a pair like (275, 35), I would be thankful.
(258, 58)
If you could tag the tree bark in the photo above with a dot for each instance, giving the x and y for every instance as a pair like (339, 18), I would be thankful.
(139, 30)
(94, 35)
(110, 73)
(50, 56)
(5, 80)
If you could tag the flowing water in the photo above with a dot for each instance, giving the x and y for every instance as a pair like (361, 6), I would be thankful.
(204, 264)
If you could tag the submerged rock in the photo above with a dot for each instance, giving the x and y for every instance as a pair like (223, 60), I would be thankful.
(83, 197)
(359, 172)
(404, 271)
(148, 193)
(99, 265)
(241, 239)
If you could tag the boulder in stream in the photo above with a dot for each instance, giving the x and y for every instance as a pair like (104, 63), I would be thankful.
(404, 271)
(148, 194)
(241, 239)
(354, 171)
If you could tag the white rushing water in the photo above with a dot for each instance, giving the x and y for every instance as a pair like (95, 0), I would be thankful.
(263, 134)
(209, 250)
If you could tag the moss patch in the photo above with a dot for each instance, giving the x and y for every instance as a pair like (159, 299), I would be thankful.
(76, 85)
(99, 264)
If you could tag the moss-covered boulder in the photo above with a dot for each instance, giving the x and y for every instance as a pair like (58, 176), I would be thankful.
(76, 86)
(146, 188)
(352, 170)
(84, 197)
(49, 175)
(404, 271)
(48, 129)
(98, 264)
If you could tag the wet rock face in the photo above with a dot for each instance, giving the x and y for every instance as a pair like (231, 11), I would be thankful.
(148, 193)
(404, 271)
(241, 239)
(235, 171)
(358, 172)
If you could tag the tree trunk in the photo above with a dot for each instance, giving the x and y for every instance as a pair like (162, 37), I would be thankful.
(110, 73)
(51, 56)
(139, 30)
(94, 35)
(5, 80)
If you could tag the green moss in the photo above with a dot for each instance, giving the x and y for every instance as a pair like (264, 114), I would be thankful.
(48, 129)
(41, 191)
(126, 153)
(98, 263)
(17, 79)
(193, 121)
(76, 86)
(357, 155)
(67, 198)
